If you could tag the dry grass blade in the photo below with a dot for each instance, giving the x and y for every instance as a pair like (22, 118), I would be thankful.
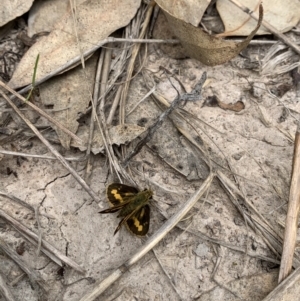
(134, 54)
(45, 247)
(53, 150)
(291, 224)
(33, 275)
(41, 112)
(152, 241)
(4, 290)
(287, 289)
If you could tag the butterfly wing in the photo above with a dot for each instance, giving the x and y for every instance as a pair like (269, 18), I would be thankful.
(119, 193)
(138, 223)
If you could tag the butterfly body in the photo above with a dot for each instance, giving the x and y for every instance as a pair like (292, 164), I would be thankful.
(132, 206)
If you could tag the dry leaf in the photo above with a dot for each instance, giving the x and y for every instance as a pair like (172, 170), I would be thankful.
(190, 11)
(11, 9)
(68, 95)
(43, 15)
(283, 15)
(206, 48)
(214, 101)
(120, 134)
(95, 21)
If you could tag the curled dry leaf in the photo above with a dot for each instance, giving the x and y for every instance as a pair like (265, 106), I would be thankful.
(120, 134)
(206, 48)
(10, 10)
(283, 15)
(95, 20)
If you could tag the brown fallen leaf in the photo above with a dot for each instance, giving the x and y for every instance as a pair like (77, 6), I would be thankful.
(10, 10)
(69, 95)
(96, 21)
(283, 15)
(214, 101)
(206, 48)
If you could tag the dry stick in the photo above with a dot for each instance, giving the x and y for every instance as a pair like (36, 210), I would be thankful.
(268, 26)
(114, 106)
(194, 95)
(167, 275)
(41, 112)
(284, 290)
(45, 245)
(4, 289)
(134, 54)
(291, 224)
(89, 165)
(53, 150)
(227, 183)
(10, 153)
(101, 121)
(33, 275)
(151, 242)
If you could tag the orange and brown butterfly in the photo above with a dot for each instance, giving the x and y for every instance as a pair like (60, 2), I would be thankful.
(133, 207)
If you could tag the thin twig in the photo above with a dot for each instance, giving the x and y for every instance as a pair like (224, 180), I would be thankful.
(134, 54)
(45, 245)
(194, 95)
(11, 153)
(284, 291)
(53, 150)
(41, 112)
(268, 26)
(4, 289)
(33, 275)
(152, 241)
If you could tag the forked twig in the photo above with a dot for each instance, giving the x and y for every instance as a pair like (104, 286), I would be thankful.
(195, 94)
(152, 241)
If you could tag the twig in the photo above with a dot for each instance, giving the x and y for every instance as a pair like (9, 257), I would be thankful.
(33, 275)
(284, 290)
(291, 223)
(134, 54)
(166, 273)
(152, 241)
(53, 150)
(41, 112)
(46, 247)
(194, 95)
(267, 25)
(4, 290)
(10, 153)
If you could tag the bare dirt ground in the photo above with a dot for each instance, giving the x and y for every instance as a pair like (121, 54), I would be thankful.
(213, 254)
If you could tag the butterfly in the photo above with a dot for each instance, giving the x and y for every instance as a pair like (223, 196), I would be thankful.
(132, 205)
